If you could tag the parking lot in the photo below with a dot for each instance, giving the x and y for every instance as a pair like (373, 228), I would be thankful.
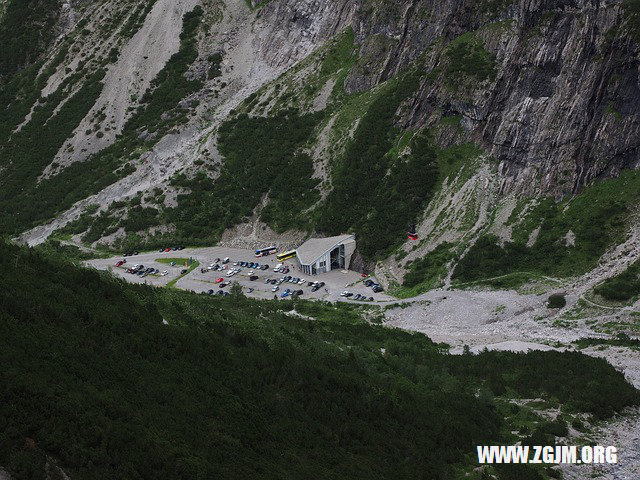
(205, 278)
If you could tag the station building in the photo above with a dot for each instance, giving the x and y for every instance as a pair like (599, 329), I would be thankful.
(321, 255)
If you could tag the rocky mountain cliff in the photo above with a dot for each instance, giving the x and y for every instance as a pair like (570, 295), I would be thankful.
(138, 123)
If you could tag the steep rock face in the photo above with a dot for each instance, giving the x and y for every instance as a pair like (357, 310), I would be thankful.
(548, 88)
(561, 106)
(292, 29)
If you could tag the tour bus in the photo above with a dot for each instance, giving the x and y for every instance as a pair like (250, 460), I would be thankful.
(286, 255)
(263, 252)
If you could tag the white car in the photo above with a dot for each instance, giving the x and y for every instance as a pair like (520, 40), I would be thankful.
(275, 289)
(268, 280)
(166, 272)
(345, 293)
(250, 273)
(277, 267)
(301, 281)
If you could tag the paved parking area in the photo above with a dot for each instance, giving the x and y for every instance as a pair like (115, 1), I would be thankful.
(336, 281)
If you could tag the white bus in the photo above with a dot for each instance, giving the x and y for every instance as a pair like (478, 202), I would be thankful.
(263, 252)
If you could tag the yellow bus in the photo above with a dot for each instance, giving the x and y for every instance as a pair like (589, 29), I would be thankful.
(286, 255)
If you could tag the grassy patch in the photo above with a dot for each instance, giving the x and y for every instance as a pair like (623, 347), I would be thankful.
(427, 272)
(596, 217)
(621, 340)
(623, 287)
(179, 261)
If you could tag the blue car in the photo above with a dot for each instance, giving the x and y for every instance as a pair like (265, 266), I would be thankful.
(286, 293)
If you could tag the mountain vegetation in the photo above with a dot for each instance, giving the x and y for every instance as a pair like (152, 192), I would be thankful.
(107, 380)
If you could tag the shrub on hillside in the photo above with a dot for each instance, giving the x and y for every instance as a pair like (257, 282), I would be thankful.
(556, 301)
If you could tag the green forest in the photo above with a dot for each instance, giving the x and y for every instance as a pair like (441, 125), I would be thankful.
(108, 380)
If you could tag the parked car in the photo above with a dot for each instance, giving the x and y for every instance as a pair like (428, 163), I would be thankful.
(321, 284)
(275, 289)
(346, 294)
(299, 292)
(210, 292)
(253, 277)
(368, 283)
(357, 296)
(370, 299)
(224, 284)
(167, 250)
(378, 289)
(315, 288)
(118, 264)
(225, 261)
(264, 267)
(220, 280)
(277, 267)
(183, 271)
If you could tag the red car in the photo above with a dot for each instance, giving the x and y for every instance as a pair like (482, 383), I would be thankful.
(167, 249)
(220, 280)
(120, 263)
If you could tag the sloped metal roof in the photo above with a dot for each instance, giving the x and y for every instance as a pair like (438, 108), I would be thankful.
(314, 248)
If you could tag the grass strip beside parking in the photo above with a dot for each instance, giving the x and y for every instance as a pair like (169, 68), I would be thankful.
(179, 262)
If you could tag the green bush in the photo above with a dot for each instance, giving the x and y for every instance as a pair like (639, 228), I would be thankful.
(622, 287)
(556, 301)
(467, 58)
